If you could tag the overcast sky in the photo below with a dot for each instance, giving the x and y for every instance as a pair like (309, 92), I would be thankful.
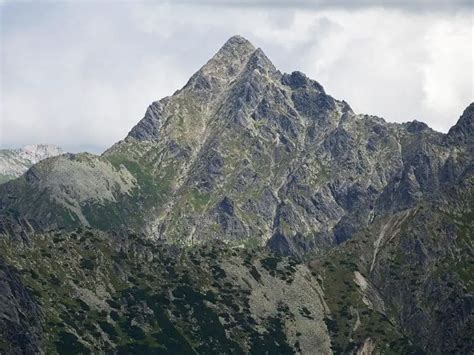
(80, 74)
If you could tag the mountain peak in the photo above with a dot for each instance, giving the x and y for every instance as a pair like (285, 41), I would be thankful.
(231, 58)
(235, 57)
(461, 132)
(229, 61)
(236, 45)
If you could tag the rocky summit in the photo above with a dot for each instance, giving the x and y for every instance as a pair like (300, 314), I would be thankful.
(249, 212)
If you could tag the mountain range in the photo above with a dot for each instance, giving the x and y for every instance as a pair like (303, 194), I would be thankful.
(249, 212)
(14, 162)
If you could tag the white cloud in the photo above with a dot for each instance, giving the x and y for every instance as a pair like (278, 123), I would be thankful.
(83, 74)
(448, 72)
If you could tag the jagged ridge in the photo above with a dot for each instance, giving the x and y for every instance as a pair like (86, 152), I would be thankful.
(300, 168)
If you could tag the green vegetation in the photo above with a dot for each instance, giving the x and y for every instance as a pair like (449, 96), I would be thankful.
(199, 200)
(462, 263)
(5, 178)
(351, 321)
(182, 301)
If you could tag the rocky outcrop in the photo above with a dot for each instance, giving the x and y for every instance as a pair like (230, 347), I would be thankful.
(21, 325)
(462, 132)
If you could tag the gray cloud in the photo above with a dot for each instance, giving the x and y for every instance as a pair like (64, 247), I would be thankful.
(81, 74)
(413, 5)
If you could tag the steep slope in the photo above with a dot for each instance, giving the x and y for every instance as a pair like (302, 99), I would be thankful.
(247, 154)
(94, 292)
(15, 162)
(68, 190)
(404, 285)
(415, 268)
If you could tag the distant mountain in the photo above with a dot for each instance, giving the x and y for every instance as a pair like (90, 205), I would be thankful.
(14, 162)
(249, 212)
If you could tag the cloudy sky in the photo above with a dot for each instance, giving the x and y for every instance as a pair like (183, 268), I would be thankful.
(80, 74)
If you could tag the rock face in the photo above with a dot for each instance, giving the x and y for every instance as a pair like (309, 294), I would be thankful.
(414, 268)
(300, 169)
(313, 228)
(15, 162)
(20, 315)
